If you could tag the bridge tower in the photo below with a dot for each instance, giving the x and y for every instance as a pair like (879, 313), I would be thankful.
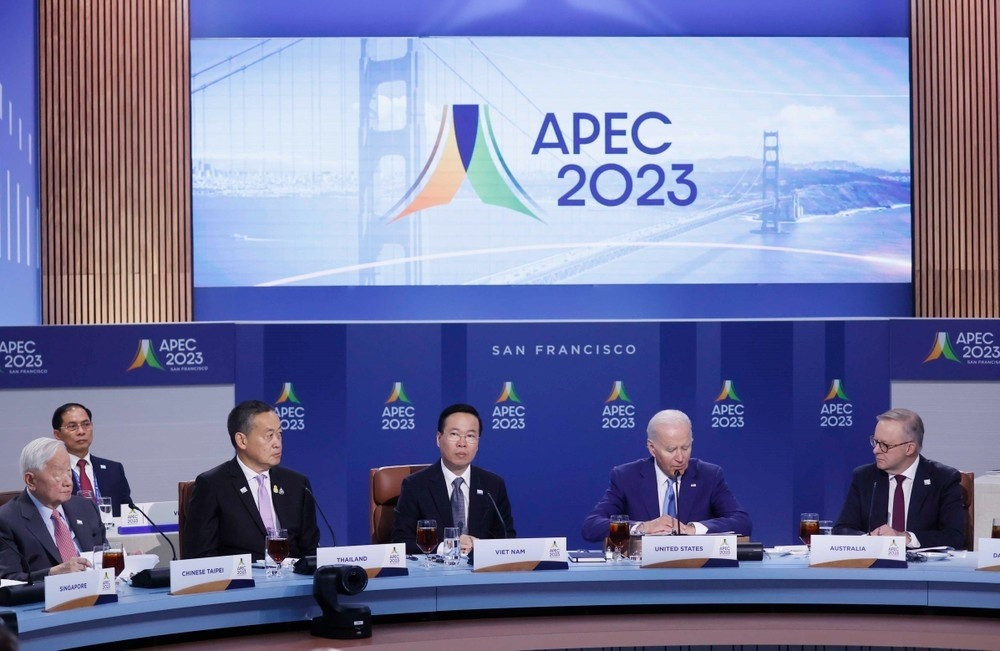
(374, 145)
(771, 215)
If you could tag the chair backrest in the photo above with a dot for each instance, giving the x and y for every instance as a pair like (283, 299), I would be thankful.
(6, 496)
(969, 502)
(385, 484)
(184, 489)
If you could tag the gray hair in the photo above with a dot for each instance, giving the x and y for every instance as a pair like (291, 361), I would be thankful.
(37, 453)
(669, 417)
(913, 426)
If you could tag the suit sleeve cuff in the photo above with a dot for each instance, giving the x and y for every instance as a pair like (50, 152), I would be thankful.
(699, 528)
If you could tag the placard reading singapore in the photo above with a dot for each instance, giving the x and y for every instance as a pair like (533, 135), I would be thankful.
(406, 162)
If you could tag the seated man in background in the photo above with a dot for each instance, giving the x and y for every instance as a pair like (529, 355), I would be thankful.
(234, 504)
(454, 492)
(45, 528)
(904, 493)
(668, 491)
(73, 424)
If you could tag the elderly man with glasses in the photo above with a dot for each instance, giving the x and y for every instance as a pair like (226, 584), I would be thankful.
(904, 493)
(454, 492)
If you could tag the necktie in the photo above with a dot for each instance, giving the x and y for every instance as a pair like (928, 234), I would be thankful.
(264, 503)
(64, 541)
(669, 507)
(898, 507)
(458, 505)
(85, 484)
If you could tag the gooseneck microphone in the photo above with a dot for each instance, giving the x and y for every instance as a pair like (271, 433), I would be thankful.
(677, 505)
(173, 552)
(327, 522)
(871, 505)
(506, 531)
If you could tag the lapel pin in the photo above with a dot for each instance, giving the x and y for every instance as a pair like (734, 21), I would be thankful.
(103, 467)
(479, 491)
(243, 490)
(80, 522)
(692, 485)
(927, 482)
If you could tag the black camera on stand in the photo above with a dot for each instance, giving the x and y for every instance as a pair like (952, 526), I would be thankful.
(340, 622)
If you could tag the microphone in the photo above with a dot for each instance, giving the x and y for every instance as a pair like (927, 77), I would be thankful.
(157, 577)
(677, 506)
(506, 532)
(871, 505)
(16, 595)
(316, 502)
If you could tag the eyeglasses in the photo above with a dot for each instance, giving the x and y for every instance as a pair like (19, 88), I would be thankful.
(73, 427)
(470, 439)
(884, 447)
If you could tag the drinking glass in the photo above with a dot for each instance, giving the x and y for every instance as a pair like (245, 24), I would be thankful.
(105, 508)
(452, 545)
(427, 539)
(97, 559)
(808, 525)
(114, 556)
(996, 528)
(276, 550)
(619, 536)
(825, 527)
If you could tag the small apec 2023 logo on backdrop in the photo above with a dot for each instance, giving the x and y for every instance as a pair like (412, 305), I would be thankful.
(175, 354)
(728, 410)
(398, 412)
(974, 347)
(290, 409)
(21, 357)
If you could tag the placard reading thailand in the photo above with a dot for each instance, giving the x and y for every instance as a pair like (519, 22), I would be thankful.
(989, 554)
(375, 560)
(80, 589)
(211, 574)
(520, 555)
(689, 551)
(857, 551)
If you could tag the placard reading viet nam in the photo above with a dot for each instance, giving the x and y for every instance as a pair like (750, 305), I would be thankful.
(857, 551)
(520, 555)
(689, 551)
(375, 560)
(210, 574)
(989, 554)
(80, 589)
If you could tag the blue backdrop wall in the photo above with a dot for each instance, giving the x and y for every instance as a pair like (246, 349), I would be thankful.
(785, 407)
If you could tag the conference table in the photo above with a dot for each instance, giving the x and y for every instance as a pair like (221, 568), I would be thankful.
(939, 588)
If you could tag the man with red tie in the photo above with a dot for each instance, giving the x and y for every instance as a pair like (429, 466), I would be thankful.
(45, 528)
(904, 493)
(73, 424)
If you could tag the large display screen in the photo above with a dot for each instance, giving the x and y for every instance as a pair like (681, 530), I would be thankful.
(525, 177)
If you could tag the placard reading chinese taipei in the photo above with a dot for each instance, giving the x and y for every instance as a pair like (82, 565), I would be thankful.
(550, 161)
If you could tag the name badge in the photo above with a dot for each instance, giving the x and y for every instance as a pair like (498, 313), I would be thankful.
(857, 551)
(689, 551)
(211, 574)
(989, 554)
(375, 560)
(520, 555)
(80, 589)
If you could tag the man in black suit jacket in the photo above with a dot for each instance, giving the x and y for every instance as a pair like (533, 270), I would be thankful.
(223, 516)
(931, 492)
(73, 424)
(428, 494)
(23, 527)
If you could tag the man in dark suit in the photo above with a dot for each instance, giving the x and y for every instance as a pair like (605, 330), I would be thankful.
(234, 504)
(73, 424)
(46, 524)
(904, 493)
(454, 492)
(668, 491)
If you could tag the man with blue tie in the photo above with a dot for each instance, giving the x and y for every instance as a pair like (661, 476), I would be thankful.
(669, 491)
(73, 424)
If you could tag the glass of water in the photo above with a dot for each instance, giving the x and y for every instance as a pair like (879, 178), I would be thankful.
(825, 527)
(105, 507)
(452, 545)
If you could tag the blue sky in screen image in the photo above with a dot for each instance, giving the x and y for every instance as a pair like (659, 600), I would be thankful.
(308, 172)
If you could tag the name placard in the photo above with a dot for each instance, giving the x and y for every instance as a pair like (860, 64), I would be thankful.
(989, 554)
(131, 522)
(689, 551)
(80, 589)
(375, 560)
(520, 555)
(857, 551)
(211, 574)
